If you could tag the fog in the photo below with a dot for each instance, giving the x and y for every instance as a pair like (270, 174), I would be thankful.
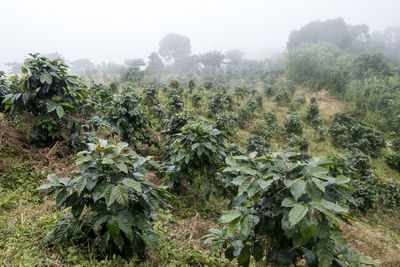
(116, 30)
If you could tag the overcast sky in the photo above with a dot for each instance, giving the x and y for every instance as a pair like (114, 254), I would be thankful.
(115, 30)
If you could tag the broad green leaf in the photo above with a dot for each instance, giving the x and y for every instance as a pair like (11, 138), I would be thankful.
(60, 111)
(125, 221)
(319, 184)
(265, 184)
(109, 195)
(341, 179)
(297, 213)
(107, 161)
(52, 178)
(308, 227)
(248, 170)
(288, 202)
(244, 185)
(121, 195)
(48, 79)
(253, 189)
(112, 226)
(45, 186)
(252, 155)
(230, 215)
(122, 167)
(246, 225)
(258, 251)
(325, 251)
(132, 184)
(232, 226)
(230, 161)
(61, 197)
(332, 206)
(244, 256)
(100, 220)
(80, 185)
(51, 106)
(297, 189)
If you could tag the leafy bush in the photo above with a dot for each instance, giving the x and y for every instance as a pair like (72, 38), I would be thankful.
(259, 142)
(270, 119)
(4, 90)
(299, 142)
(226, 122)
(196, 99)
(293, 124)
(346, 132)
(218, 102)
(195, 154)
(282, 97)
(175, 103)
(48, 92)
(297, 103)
(369, 190)
(288, 209)
(393, 160)
(111, 202)
(128, 118)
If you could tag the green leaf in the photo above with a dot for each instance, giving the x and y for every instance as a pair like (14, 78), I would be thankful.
(319, 184)
(332, 206)
(45, 186)
(246, 225)
(112, 226)
(80, 185)
(244, 256)
(52, 178)
(258, 251)
(231, 161)
(288, 202)
(230, 215)
(252, 155)
(265, 184)
(248, 170)
(61, 197)
(121, 195)
(109, 195)
(122, 167)
(341, 179)
(51, 106)
(23, 70)
(132, 184)
(47, 78)
(308, 227)
(60, 111)
(325, 249)
(244, 185)
(125, 221)
(297, 213)
(99, 192)
(232, 226)
(107, 161)
(297, 189)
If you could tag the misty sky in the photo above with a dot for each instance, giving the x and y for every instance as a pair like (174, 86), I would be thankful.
(115, 30)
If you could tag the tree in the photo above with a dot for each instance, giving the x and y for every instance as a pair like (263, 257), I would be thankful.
(211, 60)
(175, 46)
(155, 63)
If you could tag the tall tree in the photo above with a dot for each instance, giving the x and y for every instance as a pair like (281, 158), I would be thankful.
(175, 46)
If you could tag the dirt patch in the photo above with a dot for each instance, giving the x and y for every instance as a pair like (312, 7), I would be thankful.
(13, 142)
(379, 245)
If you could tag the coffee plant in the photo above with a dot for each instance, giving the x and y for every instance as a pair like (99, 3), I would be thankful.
(346, 132)
(226, 122)
(219, 102)
(196, 100)
(195, 154)
(259, 142)
(128, 118)
(298, 142)
(49, 93)
(285, 211)
(293, 124)
(112, 205)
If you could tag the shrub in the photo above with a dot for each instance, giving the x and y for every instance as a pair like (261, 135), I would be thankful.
(393, 161)
(128, 118)
(111, 202)
(195, 154)
(49, 93)
(259, 142)
(289, 209)
(346, 132)
(282, 97)
(270, 119)
(293, 124)
(196, 99)
(299, 142)
(226, 122)
(219, 102)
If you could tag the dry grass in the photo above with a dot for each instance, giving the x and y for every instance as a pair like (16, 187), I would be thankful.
(381, 246)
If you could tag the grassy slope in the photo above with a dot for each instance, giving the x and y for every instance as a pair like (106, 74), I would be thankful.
(25, 216)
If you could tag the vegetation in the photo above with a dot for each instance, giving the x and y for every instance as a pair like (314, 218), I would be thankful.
(197, 160)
